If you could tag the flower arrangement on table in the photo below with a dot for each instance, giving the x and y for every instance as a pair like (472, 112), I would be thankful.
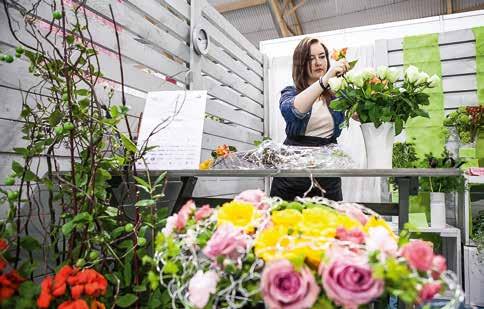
(220, 152)
(467, 121)
(314, 253)
(377, 97)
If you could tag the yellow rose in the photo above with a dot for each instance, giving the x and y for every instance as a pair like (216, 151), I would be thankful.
(287, 217)
(240, 214)
(206, 165)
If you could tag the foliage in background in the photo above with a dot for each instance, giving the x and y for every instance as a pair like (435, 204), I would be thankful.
(404, 155)
(377, 96)
(96, 218)
(467, 120)
(440, 184)
(478, 233)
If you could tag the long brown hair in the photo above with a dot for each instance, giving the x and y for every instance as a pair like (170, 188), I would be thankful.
(301, 65)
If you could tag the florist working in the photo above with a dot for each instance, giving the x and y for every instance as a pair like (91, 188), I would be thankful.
(309, 120)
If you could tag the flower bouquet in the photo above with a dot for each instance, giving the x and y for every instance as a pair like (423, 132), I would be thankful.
(383, 105)
(313, 253)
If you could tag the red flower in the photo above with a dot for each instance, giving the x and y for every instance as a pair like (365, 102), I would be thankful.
(89, 282)
(74, 304)
(97, 305)
(9, 283)
(45, 296)
(3, 244)
(59, 284)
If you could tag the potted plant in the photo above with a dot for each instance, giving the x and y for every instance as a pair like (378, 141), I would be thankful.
(383, 105)
(439, 186)
(467, 120)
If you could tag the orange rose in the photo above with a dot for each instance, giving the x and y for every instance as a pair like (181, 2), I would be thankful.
(375, 80)
(74, 304)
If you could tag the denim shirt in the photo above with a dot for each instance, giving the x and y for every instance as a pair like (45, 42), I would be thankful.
(296, 122)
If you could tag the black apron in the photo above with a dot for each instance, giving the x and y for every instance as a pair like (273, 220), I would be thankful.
(288, 188)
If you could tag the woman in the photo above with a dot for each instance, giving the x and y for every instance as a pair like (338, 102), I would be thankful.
(309, 120)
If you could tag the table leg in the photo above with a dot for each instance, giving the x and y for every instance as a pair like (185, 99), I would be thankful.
(186, 192)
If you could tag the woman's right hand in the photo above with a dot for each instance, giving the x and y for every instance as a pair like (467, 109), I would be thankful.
(337, 69)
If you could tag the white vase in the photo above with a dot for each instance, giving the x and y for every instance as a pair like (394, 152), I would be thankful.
(437, 209)
(378, 144)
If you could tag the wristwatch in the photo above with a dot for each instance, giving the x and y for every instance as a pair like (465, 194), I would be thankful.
(322, 84)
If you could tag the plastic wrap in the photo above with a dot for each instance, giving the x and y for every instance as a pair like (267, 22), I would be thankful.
(278, 156)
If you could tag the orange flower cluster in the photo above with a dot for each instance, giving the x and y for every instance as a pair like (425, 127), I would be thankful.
(339, 54)
(86, 282)
(222, 150)
(9, 281)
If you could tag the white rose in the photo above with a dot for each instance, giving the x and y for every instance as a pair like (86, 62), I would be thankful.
(422, 78)
(201, 286)
(393, 75)
(355, 78)
(381, 72)
(368, 73)
(336, 83)
(411, 74)
(433, 81)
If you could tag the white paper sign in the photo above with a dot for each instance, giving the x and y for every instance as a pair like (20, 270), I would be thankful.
(177, 119)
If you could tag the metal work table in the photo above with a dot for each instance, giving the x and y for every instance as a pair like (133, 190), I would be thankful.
(406, 179)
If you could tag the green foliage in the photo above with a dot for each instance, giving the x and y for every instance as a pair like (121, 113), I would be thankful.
(467, 121)
(76, 122)
(404, 155)
(478, 232)
(440, 184)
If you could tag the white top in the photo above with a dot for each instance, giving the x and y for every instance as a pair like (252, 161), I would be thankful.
(321, 122)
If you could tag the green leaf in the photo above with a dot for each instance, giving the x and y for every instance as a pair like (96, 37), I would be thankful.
(28, 289)
(127, 273)
(29, 243)
(398, 125)
(70, 39)
(30, 176)
(117, 231)
(17, 168)
(170, 268)
(21, 151)
(139, 288)
(142, 182)
(130, 146)
(83, 92)
(160, 178)
(126, 300)
(55, 117)
(144, 203)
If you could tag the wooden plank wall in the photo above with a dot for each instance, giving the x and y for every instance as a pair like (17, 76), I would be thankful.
(154, 38)
(458, 56)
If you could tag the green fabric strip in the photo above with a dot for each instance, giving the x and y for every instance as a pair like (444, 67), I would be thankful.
(427, 140)
(423, 52)
(479, 36)
(436, 119)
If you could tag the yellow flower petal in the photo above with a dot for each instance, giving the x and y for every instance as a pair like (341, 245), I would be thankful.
(240, 214)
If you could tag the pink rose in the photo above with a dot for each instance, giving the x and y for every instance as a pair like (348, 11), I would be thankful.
(201, 286)
(357, 214)
(254, 197)
(355, 235)
(184, 214)
(227, 241)
(379, 239)
(428, 291)
(348, 279)
(204, 212)
(170, 225)
(283, 287)
(419, 255)
(439, 265)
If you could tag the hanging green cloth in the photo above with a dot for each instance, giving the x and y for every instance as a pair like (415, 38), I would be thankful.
(423, 52)
(479, 36)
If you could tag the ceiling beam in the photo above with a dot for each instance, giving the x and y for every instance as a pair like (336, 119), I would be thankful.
(237, 5)
(281, 26)
(292, 11)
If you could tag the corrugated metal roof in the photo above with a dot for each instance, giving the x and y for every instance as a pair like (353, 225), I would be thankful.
(257, 25)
